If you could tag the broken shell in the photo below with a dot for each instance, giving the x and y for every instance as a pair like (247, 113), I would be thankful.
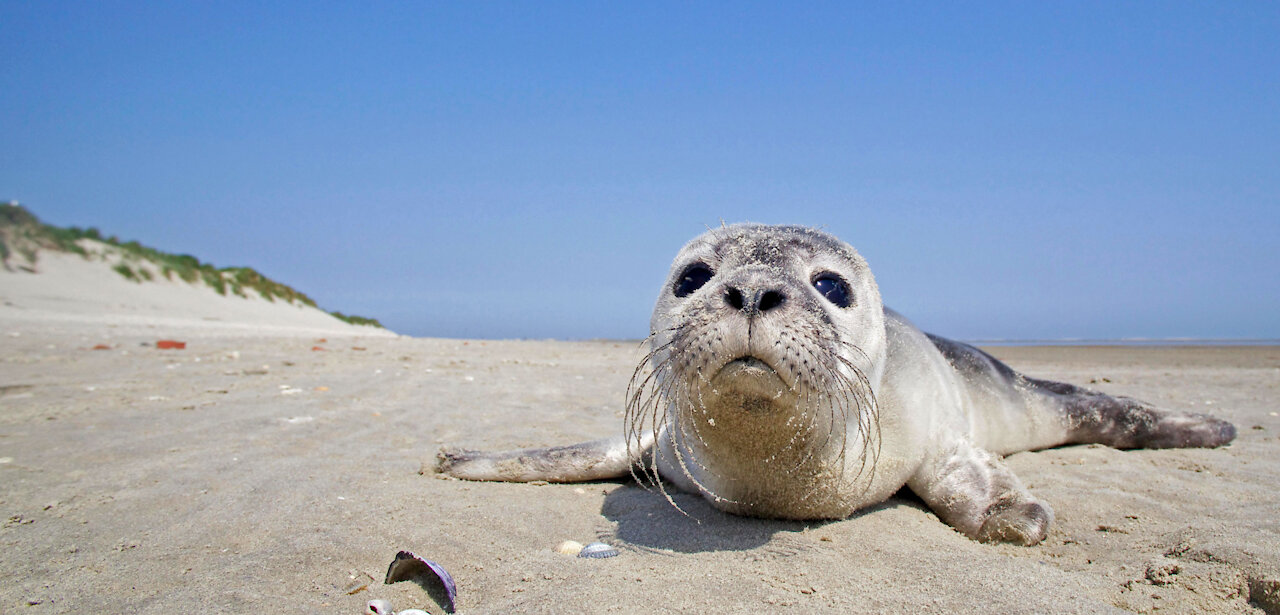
(359, 582)
(378, 607)
(427, 574)
(597, 550)
(569, 547)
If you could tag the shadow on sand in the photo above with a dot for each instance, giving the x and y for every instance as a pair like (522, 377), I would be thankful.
(647, 521)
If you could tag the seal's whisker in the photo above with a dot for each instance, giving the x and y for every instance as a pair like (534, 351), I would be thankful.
(647, 411)
(868, 414)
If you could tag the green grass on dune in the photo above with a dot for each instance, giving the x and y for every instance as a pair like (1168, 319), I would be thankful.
(358, 320)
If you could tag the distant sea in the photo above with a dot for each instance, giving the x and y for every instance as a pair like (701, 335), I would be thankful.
(1133, 341)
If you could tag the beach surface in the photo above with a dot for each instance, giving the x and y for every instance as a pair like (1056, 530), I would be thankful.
(274, 469)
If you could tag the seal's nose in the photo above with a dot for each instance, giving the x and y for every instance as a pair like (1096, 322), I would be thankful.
(754, 301)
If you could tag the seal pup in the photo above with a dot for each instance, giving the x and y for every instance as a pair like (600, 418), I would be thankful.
(778, 385)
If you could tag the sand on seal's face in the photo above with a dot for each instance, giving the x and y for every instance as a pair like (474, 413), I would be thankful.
(254, 474)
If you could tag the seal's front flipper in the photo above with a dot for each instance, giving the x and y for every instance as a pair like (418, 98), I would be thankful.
(975, 493)
(595, 460)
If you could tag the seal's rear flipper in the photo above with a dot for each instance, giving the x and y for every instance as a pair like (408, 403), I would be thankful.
(1123, 422)
(595, 460)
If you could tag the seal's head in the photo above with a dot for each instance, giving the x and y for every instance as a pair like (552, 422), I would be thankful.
(767, 347)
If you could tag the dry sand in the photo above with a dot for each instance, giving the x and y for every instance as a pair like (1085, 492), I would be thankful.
(252, 473)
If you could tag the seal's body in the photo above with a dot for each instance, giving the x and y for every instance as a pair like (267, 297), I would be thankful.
(778, 385)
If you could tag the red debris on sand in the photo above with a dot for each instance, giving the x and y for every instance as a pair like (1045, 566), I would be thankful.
(358, 348)
(322, 340)
(170, 345)
(101, 347)
(318, 348)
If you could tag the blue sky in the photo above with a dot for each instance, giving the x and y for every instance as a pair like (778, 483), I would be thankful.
(1011, 170)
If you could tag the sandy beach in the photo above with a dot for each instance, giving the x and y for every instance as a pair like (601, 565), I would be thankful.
(280, 459)
(276, 473)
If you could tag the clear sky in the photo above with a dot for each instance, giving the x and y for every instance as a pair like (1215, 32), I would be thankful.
(1010, 170)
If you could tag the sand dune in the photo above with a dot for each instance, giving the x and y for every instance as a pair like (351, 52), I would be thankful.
(67, 288)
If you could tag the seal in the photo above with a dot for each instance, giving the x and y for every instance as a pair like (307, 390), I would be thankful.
(778, 385)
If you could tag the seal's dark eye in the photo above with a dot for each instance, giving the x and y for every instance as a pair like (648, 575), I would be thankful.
(692, 279)
(834, 288)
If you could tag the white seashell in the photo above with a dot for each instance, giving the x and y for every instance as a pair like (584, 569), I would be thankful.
(597, 550)
(378, 607)
(569, 547)
(413, 612)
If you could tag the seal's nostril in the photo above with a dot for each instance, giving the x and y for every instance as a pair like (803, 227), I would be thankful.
(771, 299)
(734, 298)
(754, 301)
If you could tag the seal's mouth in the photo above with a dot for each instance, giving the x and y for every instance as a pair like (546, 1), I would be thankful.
(748, 363)
(749, 376)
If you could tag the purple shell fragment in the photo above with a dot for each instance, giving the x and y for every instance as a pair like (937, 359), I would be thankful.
(428, 574)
